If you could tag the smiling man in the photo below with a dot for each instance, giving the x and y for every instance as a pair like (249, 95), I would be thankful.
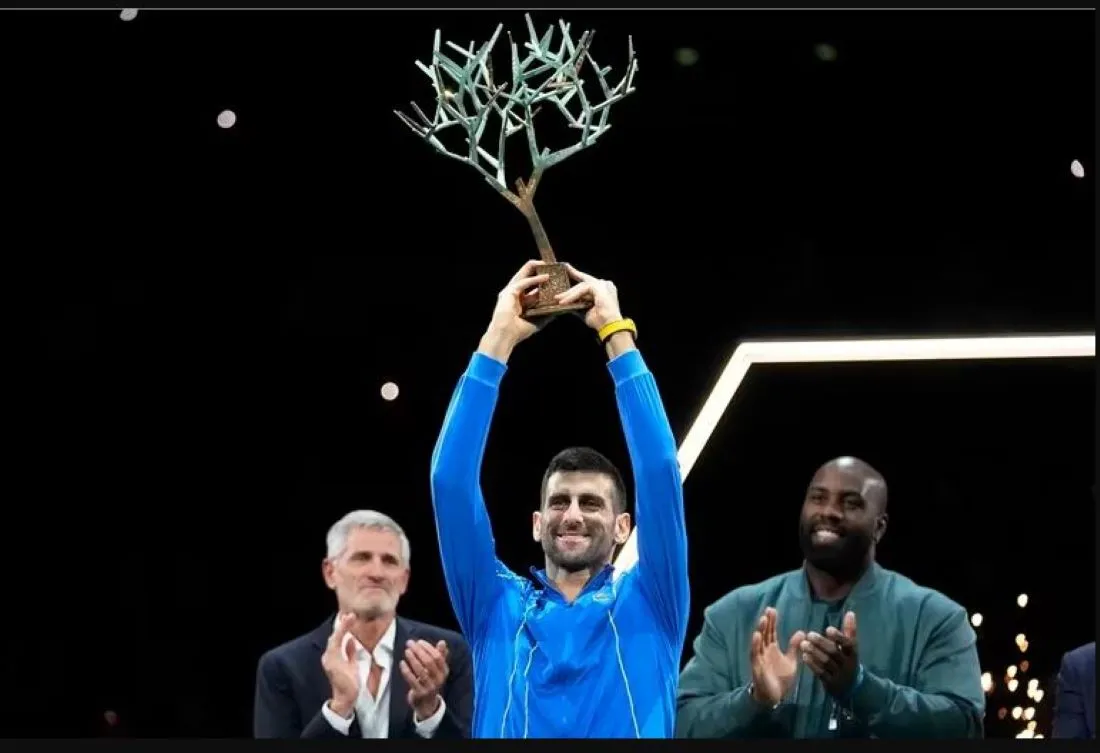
(574, 651)
(365, 672)
(841, 647)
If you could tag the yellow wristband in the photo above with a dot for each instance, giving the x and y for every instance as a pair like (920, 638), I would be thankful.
(622, 325)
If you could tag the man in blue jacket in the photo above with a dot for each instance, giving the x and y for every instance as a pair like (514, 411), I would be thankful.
(576, 652)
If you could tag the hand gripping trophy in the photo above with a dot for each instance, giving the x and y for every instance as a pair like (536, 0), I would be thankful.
(544, 77)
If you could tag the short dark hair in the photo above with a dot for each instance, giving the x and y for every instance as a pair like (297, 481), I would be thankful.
(585, 459)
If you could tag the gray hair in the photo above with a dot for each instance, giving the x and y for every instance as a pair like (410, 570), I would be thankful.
(337, 538)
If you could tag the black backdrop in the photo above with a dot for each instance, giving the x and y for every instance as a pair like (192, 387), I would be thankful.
(211, 313)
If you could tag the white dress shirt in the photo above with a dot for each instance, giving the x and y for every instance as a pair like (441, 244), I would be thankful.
(372, 713)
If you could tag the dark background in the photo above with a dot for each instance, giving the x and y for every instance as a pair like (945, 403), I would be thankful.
(211, 313)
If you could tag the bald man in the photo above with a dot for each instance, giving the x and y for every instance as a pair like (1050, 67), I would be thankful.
(840, 647)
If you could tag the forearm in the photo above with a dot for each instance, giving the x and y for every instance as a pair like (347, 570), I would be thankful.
(619, 343)
(659, 513)
(328, 723)
(451, 727)
(460, 448)
(459, 695)
(497, 345)
(720, 715)
(467, 549)
(890, 710)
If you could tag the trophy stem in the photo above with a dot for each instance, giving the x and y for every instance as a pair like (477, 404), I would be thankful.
(546, 301)
(546, 252)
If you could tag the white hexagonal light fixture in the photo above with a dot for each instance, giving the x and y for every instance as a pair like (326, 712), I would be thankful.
(850, 351)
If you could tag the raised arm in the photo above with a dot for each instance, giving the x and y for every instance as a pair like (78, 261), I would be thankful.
(466, 545)
(659, 512)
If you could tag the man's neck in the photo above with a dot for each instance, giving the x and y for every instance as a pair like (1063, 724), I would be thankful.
(569, 583)
(829, 587)
(370, 632)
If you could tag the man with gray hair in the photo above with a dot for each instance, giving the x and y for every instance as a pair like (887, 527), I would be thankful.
(346, 678)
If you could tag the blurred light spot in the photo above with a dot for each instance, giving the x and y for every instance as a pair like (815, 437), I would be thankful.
(1011, 671)
(1002, 713)
(128, 14)
(687, 56)
(111, 718)
(1029, 712)
(1033, 684)
(825, 52)
(1021, 600)
(987, 682)
(1077, 169)
(1026, 735)
(1012, 685)
(1038, 696)
(226, 118)
(1032, 725)
(976, 619)
(389, 391)
(1017, 712)
(1020, 638)
(1024, 665)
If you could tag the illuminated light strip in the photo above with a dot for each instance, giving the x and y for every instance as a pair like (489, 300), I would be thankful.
(852, 351)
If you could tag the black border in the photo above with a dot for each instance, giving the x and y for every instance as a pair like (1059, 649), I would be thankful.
(554, 745)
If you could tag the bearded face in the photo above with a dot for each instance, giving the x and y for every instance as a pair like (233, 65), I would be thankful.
(833, 547)
(577, 525)
(839, 525)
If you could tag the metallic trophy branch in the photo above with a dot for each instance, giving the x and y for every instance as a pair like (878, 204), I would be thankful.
(468, 97)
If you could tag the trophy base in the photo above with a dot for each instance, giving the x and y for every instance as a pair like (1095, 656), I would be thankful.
(534, 312)
(546, 304)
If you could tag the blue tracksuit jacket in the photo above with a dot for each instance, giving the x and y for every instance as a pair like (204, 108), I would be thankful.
(606, 665)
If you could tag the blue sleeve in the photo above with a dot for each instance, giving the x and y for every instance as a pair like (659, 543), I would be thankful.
(466, 545)
(662, 568)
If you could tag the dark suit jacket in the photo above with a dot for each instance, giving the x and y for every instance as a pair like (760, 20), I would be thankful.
(291, 687)
(1075, 704)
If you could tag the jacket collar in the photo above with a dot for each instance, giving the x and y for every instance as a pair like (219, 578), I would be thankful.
(863, 587)
(595, 583)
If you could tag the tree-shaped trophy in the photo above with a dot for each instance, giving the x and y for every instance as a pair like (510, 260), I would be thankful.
(543, 77)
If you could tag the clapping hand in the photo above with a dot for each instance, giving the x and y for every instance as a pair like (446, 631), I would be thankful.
(341, 668)
(834, 657)
(425, 669)
(773, 670)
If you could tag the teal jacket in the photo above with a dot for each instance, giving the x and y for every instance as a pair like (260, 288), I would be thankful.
(921, 675)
